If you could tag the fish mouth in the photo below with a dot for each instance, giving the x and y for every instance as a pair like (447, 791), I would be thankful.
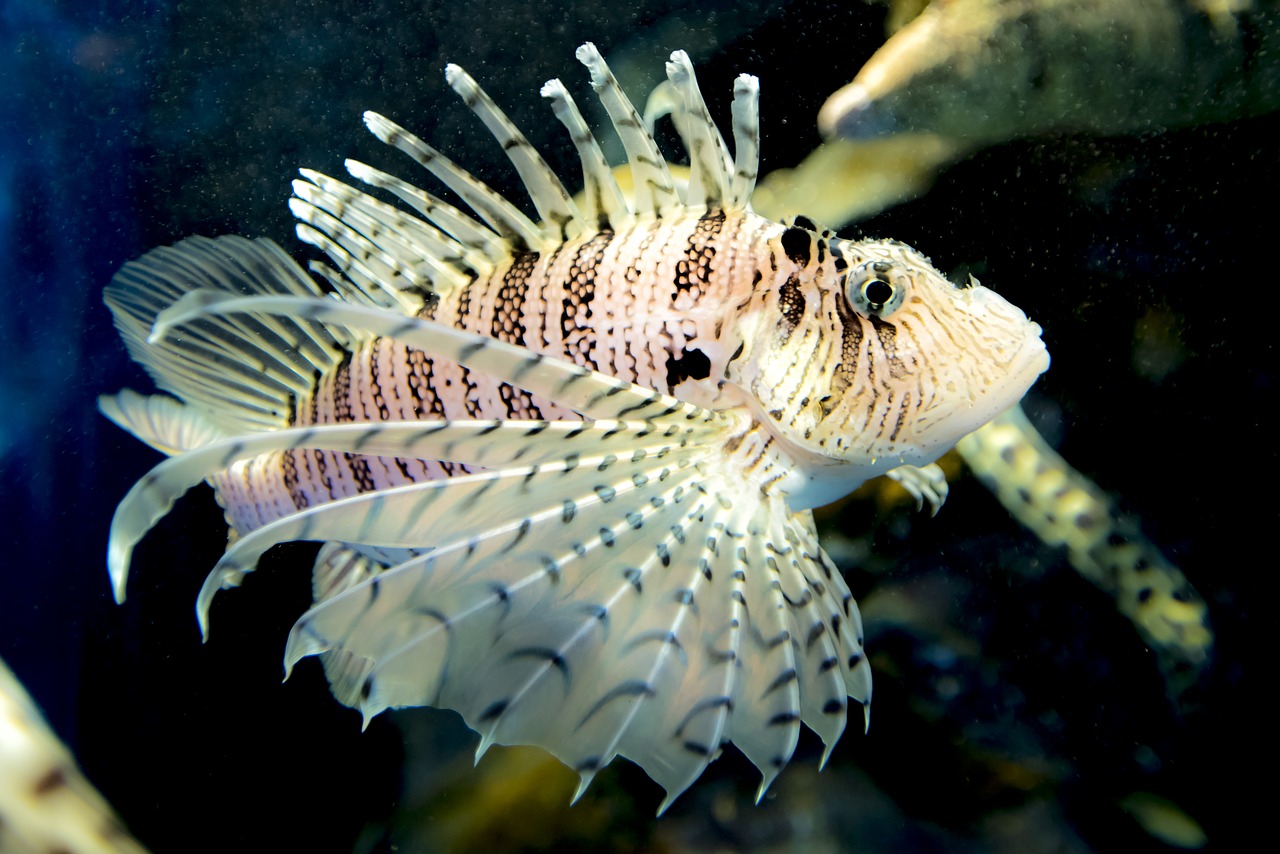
(1016, 374)
(1032, 361)
(1024, 367)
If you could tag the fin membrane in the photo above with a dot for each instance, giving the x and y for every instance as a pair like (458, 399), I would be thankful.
(242, 372)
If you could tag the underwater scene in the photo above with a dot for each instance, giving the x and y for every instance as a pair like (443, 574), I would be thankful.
(825, 290)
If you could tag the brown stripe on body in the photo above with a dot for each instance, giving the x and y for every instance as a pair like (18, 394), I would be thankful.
(791, 303)
(632, 276)
(579, 290)
(508, 324)
(289, 464)
(344, 412)
(341, 395)
(465, 320)
(520, 404)
(508, 310)
(375, 382)
(693, 271)
(340, 403)
(427, 405)
(421, 382)
(851, 333)
(296, 463)
(903, 406)
(322, 473)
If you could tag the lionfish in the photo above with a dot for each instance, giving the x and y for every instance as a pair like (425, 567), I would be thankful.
(563, 469)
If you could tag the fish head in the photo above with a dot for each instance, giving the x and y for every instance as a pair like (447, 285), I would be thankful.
(870, 359)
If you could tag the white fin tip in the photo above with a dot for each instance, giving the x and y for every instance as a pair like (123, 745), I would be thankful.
(590, 56)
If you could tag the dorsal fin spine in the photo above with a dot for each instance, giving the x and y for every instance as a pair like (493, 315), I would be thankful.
(549, 196)
(243, 373)
(423, 255)
(348, 227)
(607, 206)
(357, 266)
(708, 156)
(654, 191)
(504, 217)
(746, 140)
(486, 247)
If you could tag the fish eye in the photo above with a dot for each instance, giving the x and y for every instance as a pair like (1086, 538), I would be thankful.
(873, 289)
(877, 292)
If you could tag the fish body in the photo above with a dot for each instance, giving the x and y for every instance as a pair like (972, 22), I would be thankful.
(563, 469)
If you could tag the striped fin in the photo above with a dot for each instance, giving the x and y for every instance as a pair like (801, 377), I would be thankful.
(710, 165)
(364, 264)
(770, 631)
(746, 141)
(480, 443)
(924, 483)
(484, 247)
(397, 518)
(653, 190)
(379, 247)
(606, 205)
(419, 252)
(246, 371)
(548, 194)
(633, 626)
(502, 216)
(339, 568)
(546, 545)
(831, 640)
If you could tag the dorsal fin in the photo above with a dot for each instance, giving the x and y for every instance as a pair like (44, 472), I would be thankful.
(549, 195)
(504, 217)
(369, 270)
(386, 279)
(654, 191)
(455, 223)
(392, 257)
(604, 199)
(414, 252)
(709, 161)
(445, 255)
(746, 141)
